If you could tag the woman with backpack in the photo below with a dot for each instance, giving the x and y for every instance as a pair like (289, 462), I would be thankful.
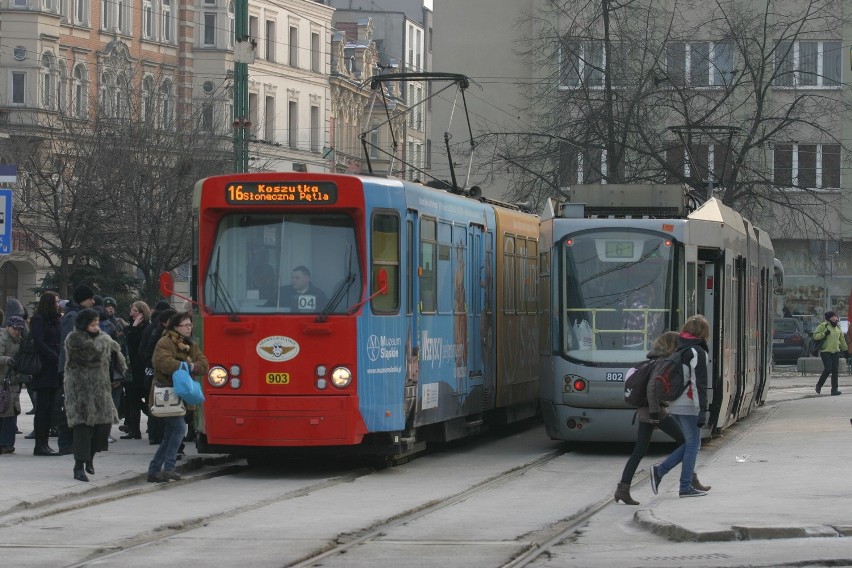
(689, 409)
(652, 414)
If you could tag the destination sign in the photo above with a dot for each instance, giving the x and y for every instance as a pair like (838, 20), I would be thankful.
(281, 193)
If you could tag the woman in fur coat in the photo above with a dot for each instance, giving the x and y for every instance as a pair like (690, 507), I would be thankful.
(88, 390)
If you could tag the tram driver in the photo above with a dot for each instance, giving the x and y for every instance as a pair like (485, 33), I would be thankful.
(301, 295)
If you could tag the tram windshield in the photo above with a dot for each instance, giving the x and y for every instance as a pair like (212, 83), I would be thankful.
(615, 293)
(283, 264)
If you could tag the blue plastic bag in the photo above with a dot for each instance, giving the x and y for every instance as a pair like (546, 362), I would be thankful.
(186, 387)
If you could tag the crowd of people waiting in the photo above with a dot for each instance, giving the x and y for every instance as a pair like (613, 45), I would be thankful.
(96, 368)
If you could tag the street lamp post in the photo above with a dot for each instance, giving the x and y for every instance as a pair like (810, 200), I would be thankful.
(243, 55)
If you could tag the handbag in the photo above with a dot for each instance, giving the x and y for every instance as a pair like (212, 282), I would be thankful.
(166, 403)
(6, 393)
(115, 374)
(27, 360)
(186, 387)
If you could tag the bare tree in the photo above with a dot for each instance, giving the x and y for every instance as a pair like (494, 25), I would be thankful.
(115, 191)
(714, 95)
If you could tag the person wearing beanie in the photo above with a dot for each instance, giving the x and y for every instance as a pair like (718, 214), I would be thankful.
(10, 342)
(88, 390)
(13, 308)
(82, 294)
(832, 345)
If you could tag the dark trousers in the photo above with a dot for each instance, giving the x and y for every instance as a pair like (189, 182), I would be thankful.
(830, 364)
(90, 439)
(134, 406)
(643, 439)
(47, 400)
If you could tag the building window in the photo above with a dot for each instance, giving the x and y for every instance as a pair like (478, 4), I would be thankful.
(148, 103)
(81, 12)
(232, 25)
(253, 114)
(148, 20)
(122, 97)
(167, 104)
(106, 14)
(124, 16)
(293, 124)
(61, 86)
(79, 91)
(48, 81)
(294, 46)
(252, 27)
(207, 117)
(808, 63)
(700, 63)
(270, 40)
(20, 3)
(168, 21)
(315, 129)
(315, 53)
(807, 166)
(269, 120)
(209, 29)
(19, 83)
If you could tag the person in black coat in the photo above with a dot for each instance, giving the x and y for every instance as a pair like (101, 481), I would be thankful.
(46, 331)
(140, 317)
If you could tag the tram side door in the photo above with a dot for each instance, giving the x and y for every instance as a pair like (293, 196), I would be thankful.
(708, 285)
(412, 299)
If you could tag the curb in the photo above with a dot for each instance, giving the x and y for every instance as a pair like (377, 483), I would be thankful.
(645, 519)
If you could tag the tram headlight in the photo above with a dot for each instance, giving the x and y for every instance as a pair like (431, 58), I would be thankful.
(217, 376)
(341, 377)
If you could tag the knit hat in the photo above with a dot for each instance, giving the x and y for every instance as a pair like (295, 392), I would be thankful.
(82, 293)
(16, 322)
(829, 315)
(13, 308)
(110, 301)
(63, 303)
(162, 305)
(85, 317)
(99, 301)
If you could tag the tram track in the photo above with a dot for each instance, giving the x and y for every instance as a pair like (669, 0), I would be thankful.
(378, 530)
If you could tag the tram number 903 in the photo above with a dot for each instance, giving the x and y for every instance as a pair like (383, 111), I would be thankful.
(615, 377)
(277, 378)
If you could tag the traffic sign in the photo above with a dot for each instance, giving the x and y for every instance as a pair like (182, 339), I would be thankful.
(5, 221)
(8, 173)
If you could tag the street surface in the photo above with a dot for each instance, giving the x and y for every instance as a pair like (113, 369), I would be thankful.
(781, 497)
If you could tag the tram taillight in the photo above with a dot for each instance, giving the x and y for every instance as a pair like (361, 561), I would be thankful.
(579, 385)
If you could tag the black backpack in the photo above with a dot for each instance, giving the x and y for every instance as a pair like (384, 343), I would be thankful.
(636, 384)
(668, 374)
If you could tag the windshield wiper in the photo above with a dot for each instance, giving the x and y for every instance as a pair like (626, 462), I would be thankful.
(340, 292)
(219, 286)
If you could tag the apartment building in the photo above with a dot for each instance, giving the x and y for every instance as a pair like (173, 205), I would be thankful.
(778, 88)
(400, 33)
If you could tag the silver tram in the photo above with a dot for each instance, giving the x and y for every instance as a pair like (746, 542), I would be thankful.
(620, 265)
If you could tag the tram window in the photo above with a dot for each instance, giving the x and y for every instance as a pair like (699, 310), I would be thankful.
(428, 258)
(385, 256)
(509, 274)
(459, 270)
(445, 275)
(520, 269)
(531, 300)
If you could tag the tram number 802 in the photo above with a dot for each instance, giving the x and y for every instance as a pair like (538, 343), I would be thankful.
(277, 378)
(615, 377)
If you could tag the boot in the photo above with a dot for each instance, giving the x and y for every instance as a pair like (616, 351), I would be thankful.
(79, 474)
(90, 466)
(44, 450)
(622, 492)
(697, 484)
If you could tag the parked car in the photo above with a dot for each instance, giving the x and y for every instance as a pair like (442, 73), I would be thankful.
(789, 340)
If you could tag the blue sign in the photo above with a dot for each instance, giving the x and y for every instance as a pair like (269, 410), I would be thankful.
(5, 221)
(8, 173)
